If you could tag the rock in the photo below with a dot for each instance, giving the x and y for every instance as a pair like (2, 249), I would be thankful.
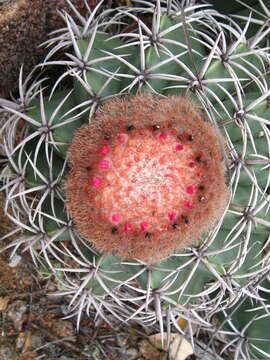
(15, 313)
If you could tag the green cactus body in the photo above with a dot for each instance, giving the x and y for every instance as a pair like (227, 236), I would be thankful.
(195, 54)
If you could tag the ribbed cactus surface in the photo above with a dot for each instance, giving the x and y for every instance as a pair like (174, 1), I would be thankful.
(140, 176)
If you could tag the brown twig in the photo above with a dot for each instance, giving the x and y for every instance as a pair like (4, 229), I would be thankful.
(23, 295)
(61, 342)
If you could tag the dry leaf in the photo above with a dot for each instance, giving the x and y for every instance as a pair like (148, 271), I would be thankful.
(28, 356)
(28, 342)
(147, 350)
(180, 348)
(3, 303)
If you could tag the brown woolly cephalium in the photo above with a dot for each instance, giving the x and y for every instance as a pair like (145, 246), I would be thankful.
(147, 177)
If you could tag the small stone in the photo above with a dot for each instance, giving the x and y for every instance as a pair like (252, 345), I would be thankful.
(15, 313)
(63, 329)
(131, 353)
(15, 260)
(6, 352)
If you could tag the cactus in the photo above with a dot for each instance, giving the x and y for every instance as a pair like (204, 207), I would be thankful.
(71, 131)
